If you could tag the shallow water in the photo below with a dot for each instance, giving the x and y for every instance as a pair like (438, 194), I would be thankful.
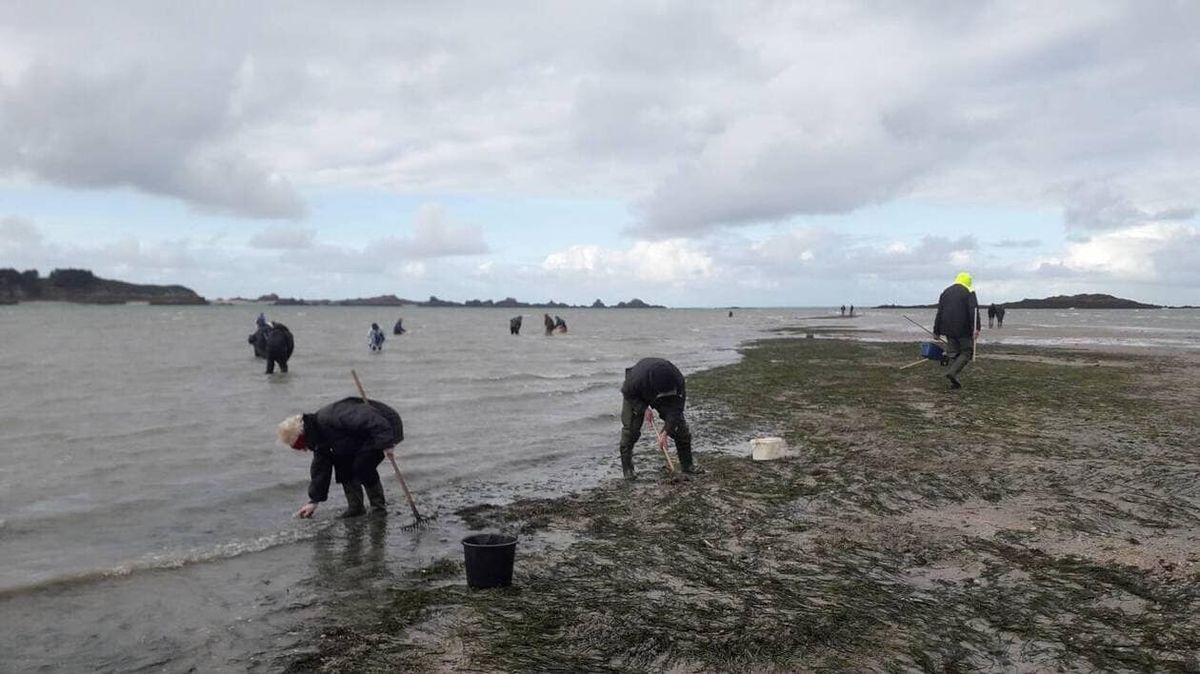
(145, 505)
(1159, 329)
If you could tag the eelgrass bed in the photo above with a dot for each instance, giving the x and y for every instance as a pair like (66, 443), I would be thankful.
(1046, 516)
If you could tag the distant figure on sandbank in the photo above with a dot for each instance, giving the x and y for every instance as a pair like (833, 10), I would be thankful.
(273, 342)
(261, 321)
(375, 338)
(996, 313)
(843, 309)
(398, 329)
(851, 311)
(560, 324)
(514, 325)
(348, 440)
(958, 321)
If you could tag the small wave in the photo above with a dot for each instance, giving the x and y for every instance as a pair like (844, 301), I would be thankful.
(520, 377)
(160, 562)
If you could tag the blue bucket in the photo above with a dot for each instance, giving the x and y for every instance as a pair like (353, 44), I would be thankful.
(932, 351)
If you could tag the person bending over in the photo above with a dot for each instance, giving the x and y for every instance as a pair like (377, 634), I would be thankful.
(655, 383)
(348, 440)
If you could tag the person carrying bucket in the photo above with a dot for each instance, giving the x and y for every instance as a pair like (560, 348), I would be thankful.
(958, 321)
(348, 440)
(658, 384)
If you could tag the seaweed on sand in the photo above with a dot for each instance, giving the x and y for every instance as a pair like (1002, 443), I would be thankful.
(1045, 516)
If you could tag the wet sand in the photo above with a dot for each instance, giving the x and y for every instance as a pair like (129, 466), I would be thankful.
(1046, 516)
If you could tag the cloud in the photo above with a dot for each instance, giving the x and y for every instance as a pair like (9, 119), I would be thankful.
(163, 122)
(283, 237)
(1017, 243)
(1164, 253)
(434, 235)
(17, 234)
(704, 116)
(1103, 208)
(672, 261)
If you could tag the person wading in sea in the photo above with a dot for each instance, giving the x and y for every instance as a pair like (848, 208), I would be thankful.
(348, 440)
(958, 321)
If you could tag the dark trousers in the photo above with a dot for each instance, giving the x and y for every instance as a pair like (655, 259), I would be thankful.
(362, 468)
(633, 414)
(960, 351)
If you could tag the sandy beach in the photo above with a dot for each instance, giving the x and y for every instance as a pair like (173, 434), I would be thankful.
(1045, 517)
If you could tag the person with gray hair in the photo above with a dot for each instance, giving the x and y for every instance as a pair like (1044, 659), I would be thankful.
(348, 440)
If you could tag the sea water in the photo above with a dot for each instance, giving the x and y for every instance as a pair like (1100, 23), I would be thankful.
(145, 505)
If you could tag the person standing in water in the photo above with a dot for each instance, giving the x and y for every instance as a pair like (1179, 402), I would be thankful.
(375, 338)
(348, 440)
(958, 321)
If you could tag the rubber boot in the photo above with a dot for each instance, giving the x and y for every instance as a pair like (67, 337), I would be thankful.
(685, 460)
(627, 463)
(354, 500)
(376, 498)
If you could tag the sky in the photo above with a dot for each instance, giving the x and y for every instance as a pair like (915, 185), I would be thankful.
(686, 153)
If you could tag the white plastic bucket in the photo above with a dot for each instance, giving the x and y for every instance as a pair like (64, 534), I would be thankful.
(768, 449)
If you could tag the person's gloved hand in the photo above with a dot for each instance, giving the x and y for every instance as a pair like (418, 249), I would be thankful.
(306, 511)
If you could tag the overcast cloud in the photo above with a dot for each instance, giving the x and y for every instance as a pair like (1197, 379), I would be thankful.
(704, 119)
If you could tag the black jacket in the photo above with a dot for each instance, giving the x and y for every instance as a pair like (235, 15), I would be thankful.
(956, 307)
(651, 379)
(341, 433)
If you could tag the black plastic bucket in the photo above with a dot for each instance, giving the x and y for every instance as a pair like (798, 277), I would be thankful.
(489, 559)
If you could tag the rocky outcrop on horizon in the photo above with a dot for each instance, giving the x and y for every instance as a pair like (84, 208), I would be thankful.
(84, 287)
(1085, 301)
(434, 301)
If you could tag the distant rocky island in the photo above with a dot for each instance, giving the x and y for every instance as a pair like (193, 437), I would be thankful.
(82, 286)
(1085, 301)
(433, 301)
(1090, 301)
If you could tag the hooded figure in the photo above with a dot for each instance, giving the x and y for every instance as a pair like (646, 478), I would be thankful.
(958, 321)
(658, 384)
(348, 439)
(375, 338)
(991, 314)
(398, 329)
(514, 325)
(549, 322)
(560, 324)
(1000, 316)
